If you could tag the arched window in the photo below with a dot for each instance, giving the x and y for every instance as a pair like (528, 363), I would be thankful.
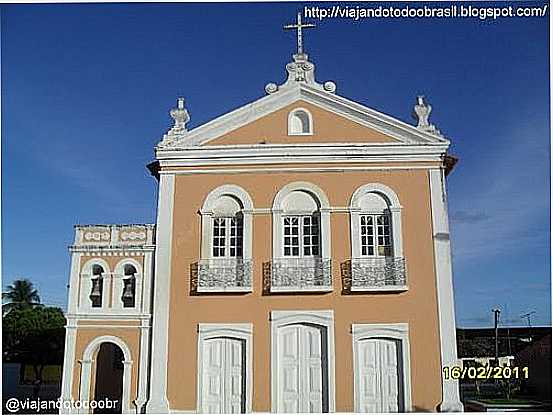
(300, 122)
(375, 226)
(376, 239)
(301, 225)
(228, 228)
(97, 291)
(129, 286)
(301, 239)
(225, 262)
(127, 295)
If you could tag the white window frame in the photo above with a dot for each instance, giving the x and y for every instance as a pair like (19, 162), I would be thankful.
(356, 211)
(291, 116)
(396, 331)
(207, 215)
(228, 235)
(323, 213)
(301, 244)
(282, 318)
(375, 225)
(241, 331)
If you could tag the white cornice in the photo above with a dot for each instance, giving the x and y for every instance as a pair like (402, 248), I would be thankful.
(110, 250)
(300, 154)
(403, 132)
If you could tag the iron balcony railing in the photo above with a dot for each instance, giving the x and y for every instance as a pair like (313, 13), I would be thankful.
(224, 275)
(301, 274)
(378, 274)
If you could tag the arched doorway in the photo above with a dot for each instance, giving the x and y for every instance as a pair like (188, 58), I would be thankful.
(106, 369)
(108, 385)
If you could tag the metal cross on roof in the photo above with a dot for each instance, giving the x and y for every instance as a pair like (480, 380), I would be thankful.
(299, 26)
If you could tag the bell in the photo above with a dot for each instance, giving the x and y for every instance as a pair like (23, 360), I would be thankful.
(96, 290)
(128, 292)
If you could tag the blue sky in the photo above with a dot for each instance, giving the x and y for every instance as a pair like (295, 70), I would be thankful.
(86, 91)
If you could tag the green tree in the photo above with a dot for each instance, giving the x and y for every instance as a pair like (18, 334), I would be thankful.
(34, 336)
(20, 294)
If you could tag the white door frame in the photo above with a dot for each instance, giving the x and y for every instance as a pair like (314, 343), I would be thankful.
(279, 319)
(241, 331)
(395, 331)
(89, 357)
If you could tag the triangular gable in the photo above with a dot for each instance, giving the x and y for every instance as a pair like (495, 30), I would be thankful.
(328, 127)
(262, 120)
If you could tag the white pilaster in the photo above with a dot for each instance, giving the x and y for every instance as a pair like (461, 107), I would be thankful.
(143, 367)
(127, 368)
(158, 402)
(397, 232)
(444, 286)
(74, 282)
(147, 284)
(68, 364)
(70, 331)
(86, 373)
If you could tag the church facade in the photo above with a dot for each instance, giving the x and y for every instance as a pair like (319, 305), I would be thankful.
(300, 262)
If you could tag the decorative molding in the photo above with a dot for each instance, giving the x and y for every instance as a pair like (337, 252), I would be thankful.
(296, 169)
(230, 190)
(300, 71)
(96, 236)
(314, 95)
(422, 111)
(398, 331)
(384, 190)
(113, 237)
(444, 287)
(104, 327)
(180, 117)
(83, 316)
(132, 236)
(108, 251)
(302, 186)
(305, 153)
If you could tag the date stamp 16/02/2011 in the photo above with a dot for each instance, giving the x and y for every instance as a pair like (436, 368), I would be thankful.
(484, 372)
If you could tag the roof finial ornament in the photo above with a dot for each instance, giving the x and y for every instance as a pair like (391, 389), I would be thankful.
(300, 71)
(180, 116)
(422, 112)
(299, 26)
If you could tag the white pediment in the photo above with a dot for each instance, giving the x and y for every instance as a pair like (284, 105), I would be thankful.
(404, 133)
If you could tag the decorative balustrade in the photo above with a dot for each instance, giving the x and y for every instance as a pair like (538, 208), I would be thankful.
(301, 274)
(378, 274)
(224, 275)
